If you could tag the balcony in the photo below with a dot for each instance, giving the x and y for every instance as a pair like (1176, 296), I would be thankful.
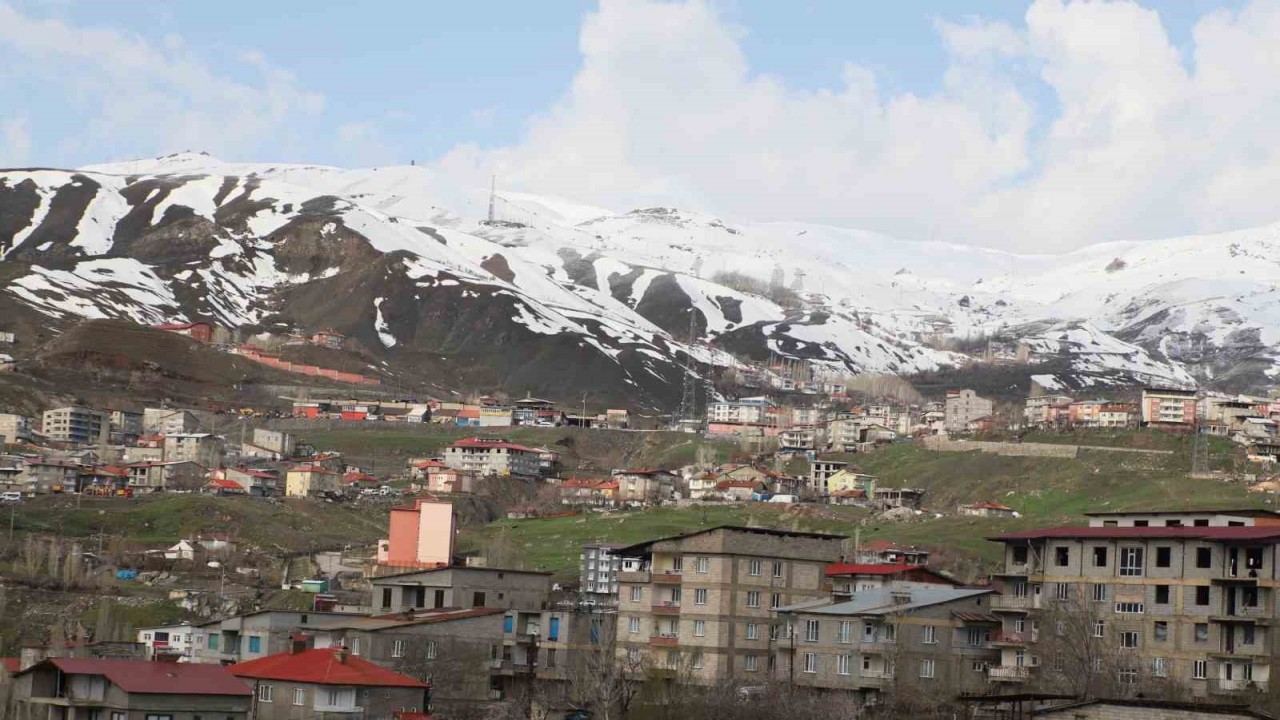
(1016, 603)
(876, 647)
(634, 576)
(666, 607)
(667, 577)
(875, 678)
(1020, 569)
(1009, 673)
(1232, 687)
(1011, 639)
(339, 709)
(1241, 614)
(664, 640)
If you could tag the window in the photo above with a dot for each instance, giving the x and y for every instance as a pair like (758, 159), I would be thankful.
(509, 623)
(753, 567)
(255, 644)
(1248, 635)
(266, 693)
(1062, 591)
(1020, 555)
(1099, 557)
(1099, 628)
(811, 662)
(773, 632)
(1098, 593)
(928, 635)
(749, 663)
(1128, 639)
(1198, 668)
(1202, 632)
(1141, 523)
(1127, 676)
(1058, 662)
(431, 649)
(775, 600)
(637, 594)
(777, 569)
(811, 631)
(1164, 557)
(1130, 561)
(1159, 667)
(842, 664)
(386, 597)
(753, 598)
(1161, 631)
(1202, 594)
(700, 596)
(341, 697)
(213, 641)
(845, 633)
(700, 628)
(697, 661)
(158, 717)
(1202, 522)
(299, 696)
(477, 599)
(926, 668)
(1129, 608)
(701, 565)
(1204, 557)
(1162, 594)
(633, 625)
(355, 646)
(146, 636)
(677, 563)
(1062, 556)
(753, 631)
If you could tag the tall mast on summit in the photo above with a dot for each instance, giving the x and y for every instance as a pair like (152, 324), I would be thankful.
(493, 192)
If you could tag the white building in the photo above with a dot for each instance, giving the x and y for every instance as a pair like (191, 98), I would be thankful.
(747, 411)
(167, 641)
(493, 456)
(598, 573)
(163, 421)
(964, 406)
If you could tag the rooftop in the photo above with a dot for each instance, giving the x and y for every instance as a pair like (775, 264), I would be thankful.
(886, 601)
(1203, 533)
(1243, 512)
(145, 677)
(644, 546)
(323, 666)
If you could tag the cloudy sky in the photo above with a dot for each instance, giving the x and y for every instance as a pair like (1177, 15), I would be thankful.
(1036, 127)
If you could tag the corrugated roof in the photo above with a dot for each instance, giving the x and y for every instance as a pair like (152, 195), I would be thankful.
(322, 667)
(153, 678)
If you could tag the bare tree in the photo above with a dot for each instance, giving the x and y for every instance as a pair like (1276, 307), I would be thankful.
(605, 677)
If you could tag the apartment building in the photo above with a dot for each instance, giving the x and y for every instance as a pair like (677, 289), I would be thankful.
(802, 437)
(75, 425)
(964, 406)
(1182, 596)
(255, 635)
(163, 421)
(1170, 408)
(1044, 410)
(493, 456)
(14, 428)
(598, 573)
(700, 604)
(747, 411)
(200, 448)
(929, 638)
(460, 587)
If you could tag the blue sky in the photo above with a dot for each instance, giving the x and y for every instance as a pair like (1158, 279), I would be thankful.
(993, 118)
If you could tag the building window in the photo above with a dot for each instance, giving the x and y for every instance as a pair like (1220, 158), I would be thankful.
(753, 598)
(753, 631)
(633, 625)
(1162, 594)
(1129, 608)
(213, 641)
(811, 631)
(1127, 676)
(255, 644)
(749, 663)
(266, 693)
(1164, 556)
(811, 662)
(1202, 632)
(928, 635)
(753, 567)
(1248, 635)
(1161, 631)
(842, 664)
(697, 661)
(677, 563)
(1062, 591)
(700, 628)
(431, 649)
(397, 649)
(1202, 594)
(1131, 561)
(1204, 557)
(1159, 667)
(1062, 556)
(701, 565)
(1198, 668)
(355, 646)
(775, 600)
(1100, 557)
(700, 596)
(845, 633)
(1128, 639)
(777, 569)
(1099, 628)
(926, 668)
(1098, 593)
(299, 696)
(637, 594)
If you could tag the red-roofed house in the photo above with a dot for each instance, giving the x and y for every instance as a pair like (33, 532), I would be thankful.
(199, 331)
(110, 688)
(983, 508)
(583, 491)
(641, 486)
(328, 680)
(308, 480)
(223, 486)
(847, 578)
(492, 456)
(359, 480)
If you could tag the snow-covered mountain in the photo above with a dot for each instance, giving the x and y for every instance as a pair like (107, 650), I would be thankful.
(557, 296)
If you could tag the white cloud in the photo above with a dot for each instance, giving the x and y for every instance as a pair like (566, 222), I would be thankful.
(1130, 144)
(140, 97)
(15, 142)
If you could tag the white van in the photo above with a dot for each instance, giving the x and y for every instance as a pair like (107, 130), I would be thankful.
(11, 496)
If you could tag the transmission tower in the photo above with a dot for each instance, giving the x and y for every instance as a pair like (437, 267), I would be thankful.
(493, 193)
(1200, 454)
(689, 381)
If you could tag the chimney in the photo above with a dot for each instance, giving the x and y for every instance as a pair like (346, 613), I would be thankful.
(297, 643)
(340, 654)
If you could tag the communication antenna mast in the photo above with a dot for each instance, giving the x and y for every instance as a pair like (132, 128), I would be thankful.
(1200, 454)
(689, 381)
(493, 193)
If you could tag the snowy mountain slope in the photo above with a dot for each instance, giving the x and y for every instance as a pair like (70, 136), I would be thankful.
(418, 268)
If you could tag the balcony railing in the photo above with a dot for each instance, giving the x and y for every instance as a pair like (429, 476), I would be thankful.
(666, 607)
(634, 576)
(1012, 602)
(1009, 672)
(667, 577)
(664, 639)
(1237, 685)
(1011, 638)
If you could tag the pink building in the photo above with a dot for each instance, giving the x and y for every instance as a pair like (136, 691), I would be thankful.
(421, 535)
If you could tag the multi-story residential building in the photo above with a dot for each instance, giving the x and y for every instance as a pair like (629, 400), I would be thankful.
(849, 578)
(14, 428)
(598, 573)
(636, 487)
(1046, 410)
(126, 426)
(328, 682)
(1085, 413)
(76, 425)
(256, 635)
(493, 456)
(1118, 415)
(170, 642)
(40, 477)
(700, 603)
(801, 437)
(114, 689)
(964, 406)
(308, 480)
(747, 411)
(920, 637)
(421, 535)
(1183, 596)
(1169, 408)
(461, 587)
(269, 445)
(163, 421)
(200, 448)
(820, 471)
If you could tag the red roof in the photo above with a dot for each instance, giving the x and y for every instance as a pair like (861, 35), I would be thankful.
(321, 667)
(224, 484)
(725, 484)
(1205, 533)
(178, 326)
(869, 569)
(153, 678)
(467, 413)
(357, 477)
(425, 464)
(476, 442)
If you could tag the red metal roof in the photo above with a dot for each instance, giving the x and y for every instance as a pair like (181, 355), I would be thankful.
(178, 326)
(322, 667)
(224, 484)
(870, 569)
(153, 678)
(1204, 533)
(477, 442)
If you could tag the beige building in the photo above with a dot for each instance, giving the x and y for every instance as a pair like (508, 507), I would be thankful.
(1187, 597)
(76, 425)
(200, 448)
(460, 587)
(493, 456)
(701, 604)
(964, 406)
(14, 428)
(163, 421)
(309, 480)
(328, 683)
